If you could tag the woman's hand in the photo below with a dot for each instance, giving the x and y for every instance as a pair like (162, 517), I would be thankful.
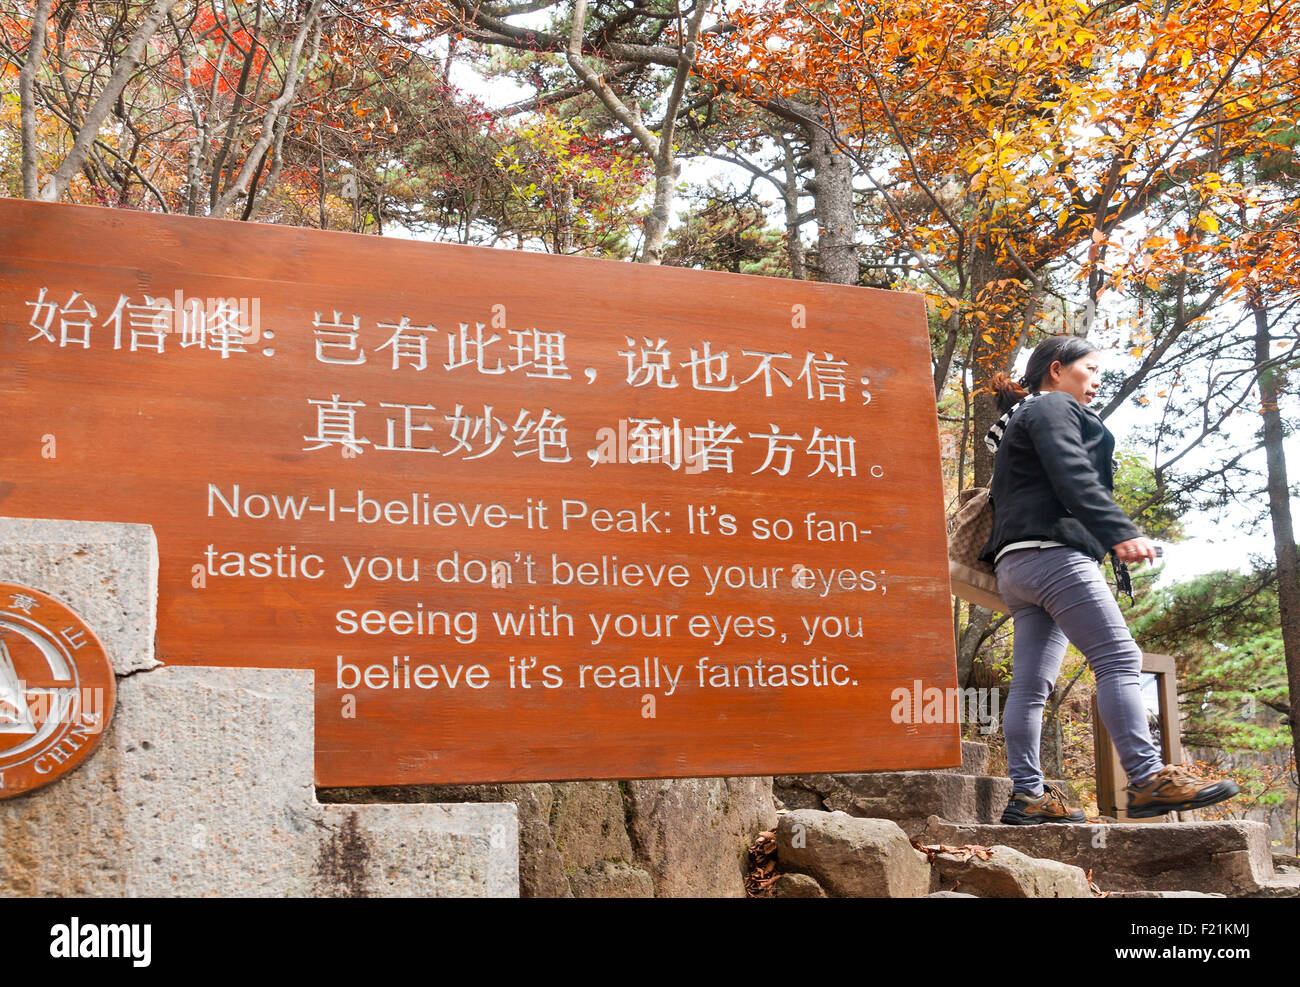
(1135, 550)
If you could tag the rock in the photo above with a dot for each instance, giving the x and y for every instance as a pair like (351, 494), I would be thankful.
(948, 894)
(1283, 885)
(804, 791)
(693, 834)
(1009, 873)
(612, 879)
(587, 822)
(1283, 862)
(851, 857)
(797, 886)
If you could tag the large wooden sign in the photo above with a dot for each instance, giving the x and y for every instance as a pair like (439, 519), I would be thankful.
(527, 517)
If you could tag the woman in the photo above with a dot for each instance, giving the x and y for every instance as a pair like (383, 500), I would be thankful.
(1054, 521)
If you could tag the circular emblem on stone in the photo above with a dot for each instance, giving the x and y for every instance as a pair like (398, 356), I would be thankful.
(56, 690)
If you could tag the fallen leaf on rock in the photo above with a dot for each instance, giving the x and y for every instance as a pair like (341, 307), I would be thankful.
(962, 853)
(1096, 891)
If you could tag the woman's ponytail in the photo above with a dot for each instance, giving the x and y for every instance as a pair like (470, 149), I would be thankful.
(1007, 391)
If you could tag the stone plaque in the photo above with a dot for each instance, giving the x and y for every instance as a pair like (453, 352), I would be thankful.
(56, 690)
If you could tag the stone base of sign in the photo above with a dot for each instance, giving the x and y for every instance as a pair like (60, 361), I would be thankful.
(974, 759)
(204, 784)
(107, 573)
(685, 837)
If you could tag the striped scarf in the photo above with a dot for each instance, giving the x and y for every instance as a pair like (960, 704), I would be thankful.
(994, 437)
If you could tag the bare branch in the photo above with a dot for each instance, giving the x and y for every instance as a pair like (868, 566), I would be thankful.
(129, 60)
(276, 107)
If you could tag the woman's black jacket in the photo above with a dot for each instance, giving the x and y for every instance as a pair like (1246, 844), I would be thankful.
(1052, 480)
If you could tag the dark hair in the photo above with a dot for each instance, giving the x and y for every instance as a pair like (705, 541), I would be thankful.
(1066, 349)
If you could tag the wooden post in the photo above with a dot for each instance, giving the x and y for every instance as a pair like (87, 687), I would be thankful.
(1111, 797)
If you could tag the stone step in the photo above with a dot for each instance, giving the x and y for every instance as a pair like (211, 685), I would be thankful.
(909, 798)
(1283, 885)
(1163, 894)
(1231, 858)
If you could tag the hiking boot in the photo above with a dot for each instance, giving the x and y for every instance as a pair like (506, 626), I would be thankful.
(1174, 788)
(1028, 810)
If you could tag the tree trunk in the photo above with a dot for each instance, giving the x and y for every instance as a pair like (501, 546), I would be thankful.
(279, 105)
(1271, 384)
(1052, 748)
(968, 645)
(837, 255)
(943, 366)
(656, 224)
(659, 147)
(27, 98)
(790, 196)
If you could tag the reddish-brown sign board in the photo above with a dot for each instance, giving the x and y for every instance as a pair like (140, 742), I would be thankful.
(527, 517)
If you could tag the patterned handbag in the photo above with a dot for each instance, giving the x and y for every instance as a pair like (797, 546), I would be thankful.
(969, 529)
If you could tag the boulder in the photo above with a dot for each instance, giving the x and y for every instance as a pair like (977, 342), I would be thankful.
(693, 834)
(612, 879)
(851, 857)
(797, 886)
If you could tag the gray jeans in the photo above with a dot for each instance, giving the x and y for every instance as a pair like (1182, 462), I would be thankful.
(1057, 594)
